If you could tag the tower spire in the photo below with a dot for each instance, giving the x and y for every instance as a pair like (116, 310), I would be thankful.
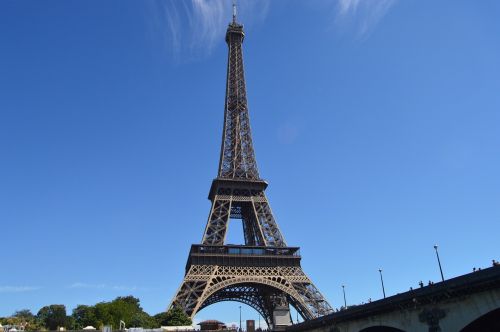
(237, 158)
(234, 11)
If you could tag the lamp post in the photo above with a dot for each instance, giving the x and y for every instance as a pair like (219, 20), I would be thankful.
(240, 318)
(439, 262)
(345, 302)
(382, 281)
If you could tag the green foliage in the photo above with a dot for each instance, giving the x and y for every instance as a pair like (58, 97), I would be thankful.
(161, 319)
(24, 314)
(22, 318)
(173, 317)
(84, 315)
(103, 315)
(70, 323)
(125, 309)
(26, 319)
(53, 316)
(142, 319)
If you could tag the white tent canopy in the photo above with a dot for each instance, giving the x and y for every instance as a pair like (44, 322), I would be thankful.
(178, 328)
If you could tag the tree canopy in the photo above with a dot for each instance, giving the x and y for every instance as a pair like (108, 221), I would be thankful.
(24, 318)
(53, 316)
(123, 308)
(173, 317)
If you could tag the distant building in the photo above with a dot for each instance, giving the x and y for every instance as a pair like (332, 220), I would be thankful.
(250, 325)
(212, 325)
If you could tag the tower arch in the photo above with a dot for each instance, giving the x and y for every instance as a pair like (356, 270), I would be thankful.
(258, 292)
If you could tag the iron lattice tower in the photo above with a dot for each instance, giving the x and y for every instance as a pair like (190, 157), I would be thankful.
(264, 273)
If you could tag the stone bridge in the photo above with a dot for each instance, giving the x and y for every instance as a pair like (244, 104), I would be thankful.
(469, 303)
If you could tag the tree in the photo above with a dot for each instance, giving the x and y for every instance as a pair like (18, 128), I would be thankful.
(24, 314)
(173, 317)
(53, 316)
(83, 316)
(125, 309)
(70, 323)
(26, 319)
(102, 314)
(161, 319)
(142, 319)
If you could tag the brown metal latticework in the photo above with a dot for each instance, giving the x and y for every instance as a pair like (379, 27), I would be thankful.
(264, 273)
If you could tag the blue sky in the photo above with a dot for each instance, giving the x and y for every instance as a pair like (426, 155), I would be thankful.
(376, 123)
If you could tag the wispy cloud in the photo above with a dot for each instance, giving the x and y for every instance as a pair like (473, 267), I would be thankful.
(84, 285)
(192, 28)
(104, 286)
(196, 26)
(17, 289)
(363, 14)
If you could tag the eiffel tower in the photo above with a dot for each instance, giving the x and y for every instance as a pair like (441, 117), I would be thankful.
(264, 273)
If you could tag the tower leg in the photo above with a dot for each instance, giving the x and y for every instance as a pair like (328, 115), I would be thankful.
(281, 318)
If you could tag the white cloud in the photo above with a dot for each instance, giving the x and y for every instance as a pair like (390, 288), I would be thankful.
(84, 285)
(103, 286)
(207, 20)
(192, 28)
(125, 288)
(17, 289)
(364, 14)
(196, 26)
(347, 5)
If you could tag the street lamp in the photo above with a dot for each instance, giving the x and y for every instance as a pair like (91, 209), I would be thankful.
(382, 281)
(439, 262)
(345, 302)
(240, 318)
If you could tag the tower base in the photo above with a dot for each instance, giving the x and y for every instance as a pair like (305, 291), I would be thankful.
(281, 318)
(267, 279)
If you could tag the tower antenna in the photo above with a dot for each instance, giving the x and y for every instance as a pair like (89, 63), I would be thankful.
(234, 11)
